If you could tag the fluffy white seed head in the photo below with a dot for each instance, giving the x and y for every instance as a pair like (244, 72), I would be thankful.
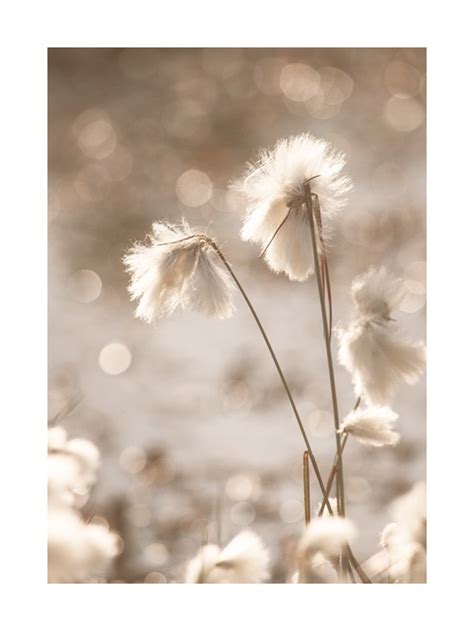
(199, 568)
(372, 426)
(407, 558)
(243, 560)
(372, 348)
(328, 535)
(379, 358)
(78, 552)
(315, 569)
(404, 540)
(177, 268)
(57, 438)
(72, 468)
(320, 546)
(409, 511)
(377, 293)
(274, 187)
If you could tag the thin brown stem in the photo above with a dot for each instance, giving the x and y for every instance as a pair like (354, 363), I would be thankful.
(331, 477)
(306, 489)
(262, 253)
(357, 567)
(329, 294)
(332, 381)
(350, 572)
(275, 361)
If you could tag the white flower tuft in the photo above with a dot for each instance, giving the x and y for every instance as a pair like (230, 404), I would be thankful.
(315, 569)
(323, 541)
(372, 348)
(274, 189)
(409, 511)
(372, 426)
(328, 535)
(199, 568)
(77, 552)
(404, 541)
(72, 468)
(178, 268)
(243, 560)
(377, 293)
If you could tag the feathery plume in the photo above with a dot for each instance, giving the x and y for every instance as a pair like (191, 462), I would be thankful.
(323, 541)
(372, 348)
(371, 426)
(178, 268)
(405, 540)
(243, 560)
(72, 468)
(277, 217)
(409, 510)
(77, 552)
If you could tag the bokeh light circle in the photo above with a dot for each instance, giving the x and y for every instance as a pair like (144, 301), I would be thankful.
(85, 286)
(242, 514)
(404, 114)
(115, 358)
(291, 511)
(193, 188)
(299, 82)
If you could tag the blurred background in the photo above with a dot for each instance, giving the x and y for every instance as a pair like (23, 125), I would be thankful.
(189, 415)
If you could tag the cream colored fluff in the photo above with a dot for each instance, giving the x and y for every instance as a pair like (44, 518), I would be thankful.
(372, 426)
(274, 189)
(319, 548)
(177, 269)
(77, 551)
(372, 348)
(244, 560)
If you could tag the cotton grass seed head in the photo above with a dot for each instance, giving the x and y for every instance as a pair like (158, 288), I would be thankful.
(323, 541)
(372, 348)
(277, 215)
(244, 560)
(377, 293)
(72, 468)
(372, 426)
(178, 268)
(78, 552)
(327, 535)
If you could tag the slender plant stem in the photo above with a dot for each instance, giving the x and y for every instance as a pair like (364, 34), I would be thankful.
(218, 511)
(332, 381)
(325, 501)
(350, 572)
(329, 293)
(277, 365)
(357, 567)
(306, 489)
(332, 475)
(262, 253)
